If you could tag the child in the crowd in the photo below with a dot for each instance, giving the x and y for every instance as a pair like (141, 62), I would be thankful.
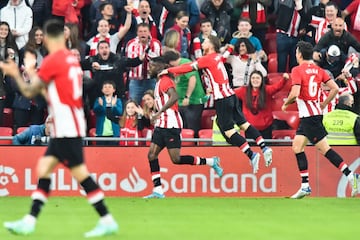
(108, 110)
(129, 124)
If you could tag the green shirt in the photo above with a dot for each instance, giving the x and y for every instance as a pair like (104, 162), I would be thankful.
(197, 96)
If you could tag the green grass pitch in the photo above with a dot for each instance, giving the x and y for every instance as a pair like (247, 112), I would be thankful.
(193, 218)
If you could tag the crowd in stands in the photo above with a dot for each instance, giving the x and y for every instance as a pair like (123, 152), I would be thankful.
(115, 41)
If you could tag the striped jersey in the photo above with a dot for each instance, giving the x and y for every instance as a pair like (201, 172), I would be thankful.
(171, 117)
(62, 74)
(309, 76)
(214, 71)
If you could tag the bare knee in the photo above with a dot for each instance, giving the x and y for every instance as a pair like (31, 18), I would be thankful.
(175, 159)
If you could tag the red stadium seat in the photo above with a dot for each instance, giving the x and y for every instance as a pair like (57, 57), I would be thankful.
(92, 133)
(291, 118)
(270, 45)
(187, 133)
(277, 102)
(205, 133)
(20, 129)
(283, 134)
(6, 132)
(272, 63)
(207, 118)
(8, 120)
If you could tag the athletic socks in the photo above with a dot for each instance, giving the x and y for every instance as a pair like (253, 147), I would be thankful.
(337, 161)
(95, 196)
(39, 196)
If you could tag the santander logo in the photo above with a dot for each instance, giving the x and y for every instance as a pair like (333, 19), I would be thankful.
(343, 183)
(7, 175)
(133, 183)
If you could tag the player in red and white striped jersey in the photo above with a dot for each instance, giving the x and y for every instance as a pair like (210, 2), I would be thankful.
(226, 103)
(168, 124)
(306, 80)
(61, 75)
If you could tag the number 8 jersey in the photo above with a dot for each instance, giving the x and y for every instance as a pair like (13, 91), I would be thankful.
(310, 77)
(62, 74)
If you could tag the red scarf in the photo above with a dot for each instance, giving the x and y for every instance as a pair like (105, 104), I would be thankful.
(129, 131)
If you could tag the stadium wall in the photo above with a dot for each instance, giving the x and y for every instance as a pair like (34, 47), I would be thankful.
(124, 172)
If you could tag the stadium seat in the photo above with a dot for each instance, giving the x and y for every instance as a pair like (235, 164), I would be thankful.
(291, 118)
(270, 45)
(20, 129)
(283, 134)
(272, 63)
(207, 118)
(207, 134)
(92, 120)
(187, 133)
(6, 132)
(278, 100)
(92, 133)
(8, 120)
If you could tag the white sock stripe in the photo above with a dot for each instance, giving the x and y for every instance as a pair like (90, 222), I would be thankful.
(39, 195)
(96, 197)
(304, 174)
(155, 176)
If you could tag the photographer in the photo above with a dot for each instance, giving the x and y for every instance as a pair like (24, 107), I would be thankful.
(35, 134)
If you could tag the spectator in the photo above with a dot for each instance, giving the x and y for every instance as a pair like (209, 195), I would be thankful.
(95, 13)
(147, 110)
(166, 12)
(107, 13)
(191, 95)
(20, 19)
(108, 109)
(171, 40)
(316, 13)
(219, 11)
(129, 123)
(63, 9)
(337, 36)
(288, 30)
(206, 30)
(34, 134)
(41, 11)
(103, 33)
(28, 111)
(352, 10)
(143, 15)
(36, 43)
(181, 26)
(244, 28)
(256, 11)
(256, 102)
(138, 77)
(8, 49)
(71, 34)
(342, 124)
(323, 26)
(244, 63)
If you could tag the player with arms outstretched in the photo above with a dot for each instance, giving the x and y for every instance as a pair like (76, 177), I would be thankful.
(226, 103)
(61, 75)
(306, 83)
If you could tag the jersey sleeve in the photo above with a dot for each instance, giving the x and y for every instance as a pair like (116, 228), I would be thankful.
(47, 70)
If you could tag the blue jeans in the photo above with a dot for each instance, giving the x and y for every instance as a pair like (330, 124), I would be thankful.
(138, 87)
(286, 48)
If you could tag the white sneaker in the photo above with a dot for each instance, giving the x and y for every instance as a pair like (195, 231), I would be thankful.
(103, 229)
(302, 193)
(267, 156)
(255, 162)
(354, 182)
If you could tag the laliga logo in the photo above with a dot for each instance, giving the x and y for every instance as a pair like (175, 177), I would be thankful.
(7, 174)
(343, 183)
(133, 183)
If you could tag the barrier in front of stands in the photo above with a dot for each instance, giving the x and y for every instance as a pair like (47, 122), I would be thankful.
(124, 172)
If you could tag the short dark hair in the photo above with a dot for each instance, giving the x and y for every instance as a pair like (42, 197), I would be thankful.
(54, 28)
(101, 42)
(169, 56)
(143, 24)
(306, 50)
(205, 20)
(111, 82)
(344, 99)
(249, 47)
(102, 6)
(215, 41)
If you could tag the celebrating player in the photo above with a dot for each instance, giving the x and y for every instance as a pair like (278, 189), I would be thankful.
(226, 103)
(61, 75)
(306, 83)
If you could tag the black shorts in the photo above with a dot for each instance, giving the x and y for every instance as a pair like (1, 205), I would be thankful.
(68, 151)
(312, 128)
(228, 113)
(167, 137)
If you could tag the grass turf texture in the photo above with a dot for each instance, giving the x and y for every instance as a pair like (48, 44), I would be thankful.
(193, 218)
